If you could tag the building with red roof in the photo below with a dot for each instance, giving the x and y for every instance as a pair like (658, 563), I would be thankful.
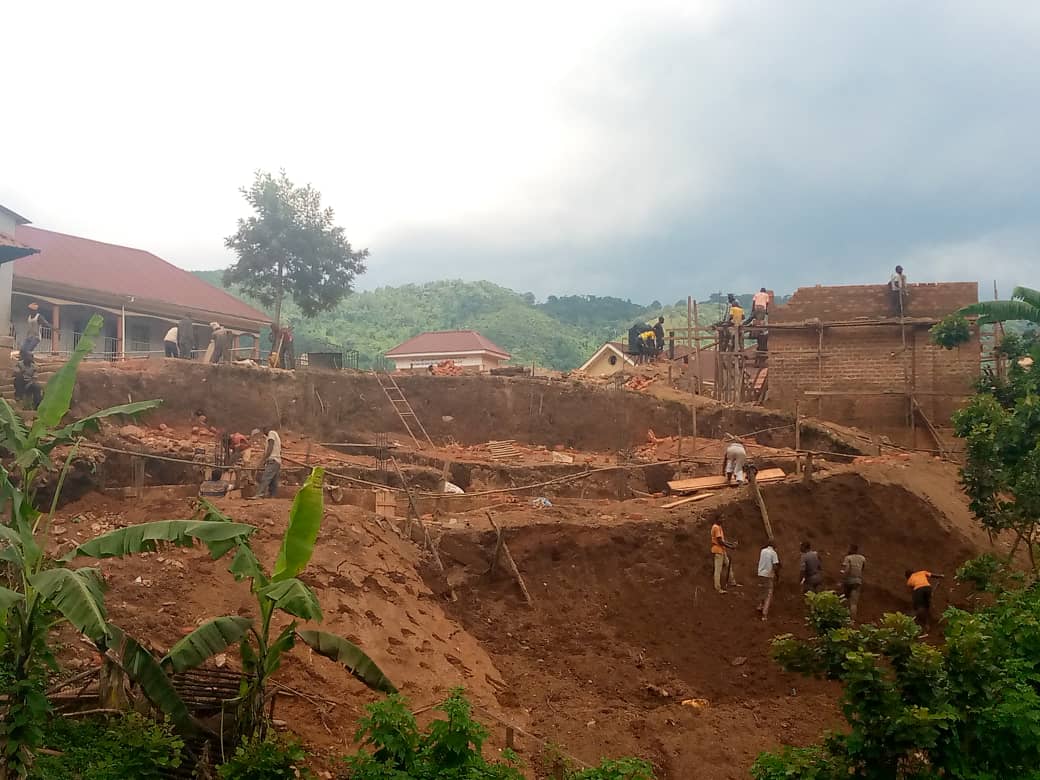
(466, 348)
(141, 296)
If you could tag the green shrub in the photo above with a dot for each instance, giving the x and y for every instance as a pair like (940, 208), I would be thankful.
(951, 331)
(450, 749)
(272, 758)
(125, 747)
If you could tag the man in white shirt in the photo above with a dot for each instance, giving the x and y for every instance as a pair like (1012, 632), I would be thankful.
(897, 290)
(267, 487)
(768, 571)
(733, 459)
(170, 343)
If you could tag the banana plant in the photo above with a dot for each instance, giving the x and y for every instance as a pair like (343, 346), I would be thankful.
(281, 590)
(34, 593)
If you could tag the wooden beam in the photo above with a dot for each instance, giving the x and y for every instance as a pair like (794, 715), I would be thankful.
(715, 482)
(510, 563)
(753, 482)
(682, 501)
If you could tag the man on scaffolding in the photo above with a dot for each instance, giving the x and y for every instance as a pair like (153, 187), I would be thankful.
(897, 290)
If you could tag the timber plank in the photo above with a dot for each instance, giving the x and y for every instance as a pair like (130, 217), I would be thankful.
(715, 482)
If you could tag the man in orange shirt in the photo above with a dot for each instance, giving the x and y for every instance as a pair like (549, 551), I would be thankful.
(920, 584)
(719, 545)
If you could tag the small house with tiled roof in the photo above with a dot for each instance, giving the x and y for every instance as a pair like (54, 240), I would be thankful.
(465, 348)
(139, 295)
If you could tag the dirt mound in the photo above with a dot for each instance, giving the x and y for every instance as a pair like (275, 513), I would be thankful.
(623, 612)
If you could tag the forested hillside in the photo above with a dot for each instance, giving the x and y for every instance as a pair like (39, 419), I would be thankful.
(560, 333)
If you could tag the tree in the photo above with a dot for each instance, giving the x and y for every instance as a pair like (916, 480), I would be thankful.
(968, 708)
(290, 245)
(1024, 305)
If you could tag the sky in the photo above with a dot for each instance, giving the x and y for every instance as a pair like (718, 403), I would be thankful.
(648, 150)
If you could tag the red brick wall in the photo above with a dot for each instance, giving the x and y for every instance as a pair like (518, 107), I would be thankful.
(870, 357)
(869, 301)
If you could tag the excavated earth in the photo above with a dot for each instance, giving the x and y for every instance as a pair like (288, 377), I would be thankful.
(623, 626)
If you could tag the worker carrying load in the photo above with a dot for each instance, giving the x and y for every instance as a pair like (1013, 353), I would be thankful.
(647, 346)
(733, 460)
(633, 337)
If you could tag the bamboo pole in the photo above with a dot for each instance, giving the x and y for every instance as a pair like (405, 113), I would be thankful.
(797, 436)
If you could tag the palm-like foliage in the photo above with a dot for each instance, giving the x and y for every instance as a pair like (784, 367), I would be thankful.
(1024, 305)
(33, 591)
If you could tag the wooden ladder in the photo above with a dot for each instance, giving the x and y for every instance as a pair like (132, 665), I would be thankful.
(404, 410)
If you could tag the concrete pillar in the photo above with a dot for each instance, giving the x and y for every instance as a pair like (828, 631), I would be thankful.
(256, 346)
(121, 337)
(56, 329)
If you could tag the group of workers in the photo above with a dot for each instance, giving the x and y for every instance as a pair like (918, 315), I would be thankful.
(179, 341)
(26, 388)
(645, 341)
(810, 576)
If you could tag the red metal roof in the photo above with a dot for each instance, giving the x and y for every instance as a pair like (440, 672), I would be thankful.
(447, 342)
(121, 270)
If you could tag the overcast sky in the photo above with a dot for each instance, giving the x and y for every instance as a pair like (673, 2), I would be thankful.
(642, 149)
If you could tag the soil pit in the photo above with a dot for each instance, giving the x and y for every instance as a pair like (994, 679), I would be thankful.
(624, 626)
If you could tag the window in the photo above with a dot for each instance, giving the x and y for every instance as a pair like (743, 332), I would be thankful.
(139, 337)
(612, 360)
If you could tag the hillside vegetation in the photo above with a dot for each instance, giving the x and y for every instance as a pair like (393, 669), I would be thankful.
(560, 333)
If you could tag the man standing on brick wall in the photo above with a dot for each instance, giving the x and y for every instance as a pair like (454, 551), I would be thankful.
(897, 288)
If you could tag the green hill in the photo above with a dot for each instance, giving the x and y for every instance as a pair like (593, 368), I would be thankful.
(560, 333)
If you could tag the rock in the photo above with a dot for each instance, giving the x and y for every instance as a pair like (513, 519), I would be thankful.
(740, 660)
(657, 691)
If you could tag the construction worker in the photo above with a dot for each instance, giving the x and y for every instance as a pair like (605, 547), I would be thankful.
(659, 335)
(719, 545)
(736, 311)
(733, 459)
(36, 322)
(920, 584)
(170, 343)
(267, 487)
(26, 388)
(185, 337)
(221, 343)
(760, 304)
(852, 578)
(897, 290)
(768, 574)
(810, 569)
(648, 345)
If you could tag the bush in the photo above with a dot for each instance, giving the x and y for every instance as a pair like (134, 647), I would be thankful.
(272, 758)
(449, 749)
(951, 331)
(127, 747)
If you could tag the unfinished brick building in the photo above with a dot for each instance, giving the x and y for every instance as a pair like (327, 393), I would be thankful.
(844, 354)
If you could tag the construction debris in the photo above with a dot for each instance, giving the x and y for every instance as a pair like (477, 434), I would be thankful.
(503, 450)
(447, 368)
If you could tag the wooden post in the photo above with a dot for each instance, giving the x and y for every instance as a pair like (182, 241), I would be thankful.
(693, 409)
(509, 738)
(121, 337)
(753, 482)
(689, 321)
(797, 436)
(56, 329)
(696, 337)
(679, 451)
(510, 563)
(808, 470)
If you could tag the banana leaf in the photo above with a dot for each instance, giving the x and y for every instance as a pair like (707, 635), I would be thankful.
(79, 595)
(92, 421)
(304, 523)
(57, 396)
(245, 564)
(219, 537)
(8, 598)
(1027, 294)
(206, 641)
(12, 428)
(351, 656)
(210, 513)
(142, 667)
(1003, 311)
(278, 648)
(294, 597)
